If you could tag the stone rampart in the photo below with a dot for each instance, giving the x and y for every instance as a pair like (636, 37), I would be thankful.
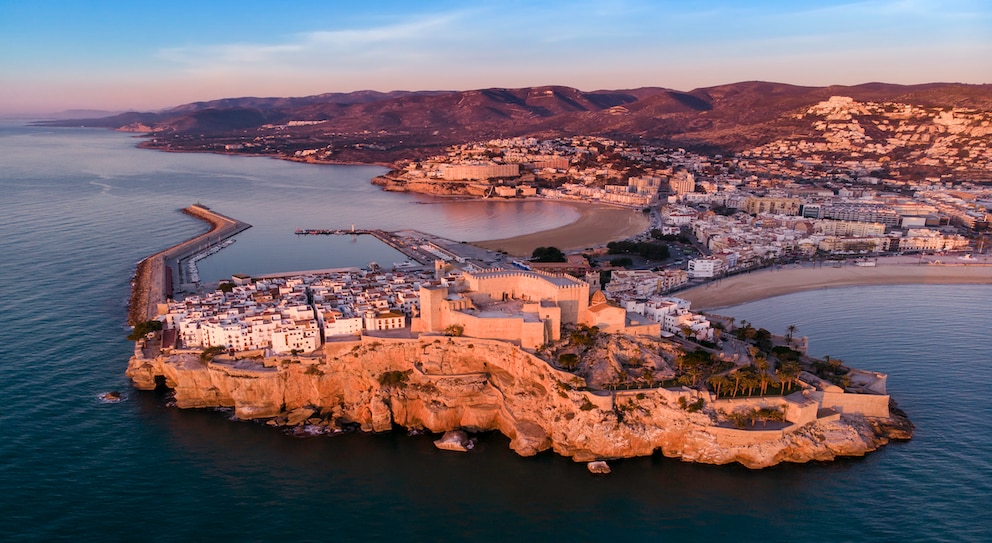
(869, 405)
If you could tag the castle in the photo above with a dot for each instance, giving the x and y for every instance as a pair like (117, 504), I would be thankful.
(518, 305)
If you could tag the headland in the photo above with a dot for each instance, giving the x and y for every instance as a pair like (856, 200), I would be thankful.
(536, 356)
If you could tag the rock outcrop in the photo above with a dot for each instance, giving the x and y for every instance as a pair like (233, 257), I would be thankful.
(442, 384)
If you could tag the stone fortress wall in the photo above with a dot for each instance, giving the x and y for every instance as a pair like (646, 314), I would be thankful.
(546, 302)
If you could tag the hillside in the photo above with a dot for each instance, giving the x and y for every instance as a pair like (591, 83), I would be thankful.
(369, 126)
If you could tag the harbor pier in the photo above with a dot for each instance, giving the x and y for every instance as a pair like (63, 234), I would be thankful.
(155, 276)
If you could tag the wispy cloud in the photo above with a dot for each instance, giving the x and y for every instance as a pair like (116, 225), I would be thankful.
(308, 45)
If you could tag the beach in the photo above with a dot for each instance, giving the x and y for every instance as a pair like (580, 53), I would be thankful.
(767, 283)
(597, 225)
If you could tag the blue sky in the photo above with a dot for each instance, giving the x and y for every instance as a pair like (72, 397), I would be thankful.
(56, 55)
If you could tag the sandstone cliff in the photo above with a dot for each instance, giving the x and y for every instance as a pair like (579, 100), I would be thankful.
(441, 384)
(426, 186)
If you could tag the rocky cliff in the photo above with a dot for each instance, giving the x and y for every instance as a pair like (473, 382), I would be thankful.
(441, 384)
(395, 183)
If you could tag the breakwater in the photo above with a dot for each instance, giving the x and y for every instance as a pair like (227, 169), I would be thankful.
(410, 249)
(154, 276)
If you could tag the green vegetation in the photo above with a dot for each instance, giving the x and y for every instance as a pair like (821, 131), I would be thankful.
(586, 405)
(143, 328)
(211, 352)
(650, 250)
(674, 238)
(757, 379)
(697, 366)
(395, 377)
(585, 336)
(225, 287)
(455, 330)
(568, 361)
(548, 254)
(313, 370)
(693, 407)
(741, 419)
(833, 370)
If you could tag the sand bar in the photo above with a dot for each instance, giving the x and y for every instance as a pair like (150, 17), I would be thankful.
(597, 225)
(784, 280)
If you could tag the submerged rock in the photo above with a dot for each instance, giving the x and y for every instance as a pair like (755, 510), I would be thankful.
(112, 397)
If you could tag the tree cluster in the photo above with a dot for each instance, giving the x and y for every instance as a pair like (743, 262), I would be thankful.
(548, 254)
(143, 328)
(647, 249)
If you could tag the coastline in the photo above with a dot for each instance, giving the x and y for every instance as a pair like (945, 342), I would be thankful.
(769, 283)
(597, 224)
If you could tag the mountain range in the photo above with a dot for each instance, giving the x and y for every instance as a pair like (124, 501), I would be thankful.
(382, 126)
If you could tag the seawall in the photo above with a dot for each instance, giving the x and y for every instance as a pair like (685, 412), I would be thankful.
(152, 283)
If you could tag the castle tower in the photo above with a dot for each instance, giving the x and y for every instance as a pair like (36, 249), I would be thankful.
(431, 307)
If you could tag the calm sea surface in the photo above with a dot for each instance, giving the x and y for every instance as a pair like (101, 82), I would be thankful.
(78, 208)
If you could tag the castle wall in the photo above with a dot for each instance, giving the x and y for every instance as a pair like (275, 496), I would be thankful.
(869, 405)
(529, 335)
(571, 295)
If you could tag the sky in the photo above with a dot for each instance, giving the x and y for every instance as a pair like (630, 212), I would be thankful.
(135, 55)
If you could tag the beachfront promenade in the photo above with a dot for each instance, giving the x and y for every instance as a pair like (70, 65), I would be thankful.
(153, 278)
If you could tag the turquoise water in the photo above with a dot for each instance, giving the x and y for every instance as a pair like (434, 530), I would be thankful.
(79, 208)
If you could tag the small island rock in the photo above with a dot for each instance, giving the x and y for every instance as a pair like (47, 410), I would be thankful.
(598, 467)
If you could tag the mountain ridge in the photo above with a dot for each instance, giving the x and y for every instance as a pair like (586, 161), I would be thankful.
(730, 117)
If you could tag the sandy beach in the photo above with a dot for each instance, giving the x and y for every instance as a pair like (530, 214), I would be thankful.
(597, 225)
(762, 284)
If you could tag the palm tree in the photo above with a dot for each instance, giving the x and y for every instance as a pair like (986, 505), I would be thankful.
(737, 381)
(788, 372)
(693, 371)
(761, 364)
(718, 382)
(791, 332)
(749, 378)
(648, 375)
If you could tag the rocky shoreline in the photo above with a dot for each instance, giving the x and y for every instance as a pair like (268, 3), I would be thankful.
(441, 384)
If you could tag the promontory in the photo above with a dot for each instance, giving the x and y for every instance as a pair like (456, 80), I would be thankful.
(542, 357)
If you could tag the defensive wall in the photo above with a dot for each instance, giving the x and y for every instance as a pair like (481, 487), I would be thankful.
(571, 295)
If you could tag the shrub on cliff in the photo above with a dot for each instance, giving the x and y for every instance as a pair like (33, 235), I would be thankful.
(568, 360)
(211, 352)
(143, 328)
(395, 377)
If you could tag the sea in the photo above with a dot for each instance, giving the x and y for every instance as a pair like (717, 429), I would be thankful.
(80, 207)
